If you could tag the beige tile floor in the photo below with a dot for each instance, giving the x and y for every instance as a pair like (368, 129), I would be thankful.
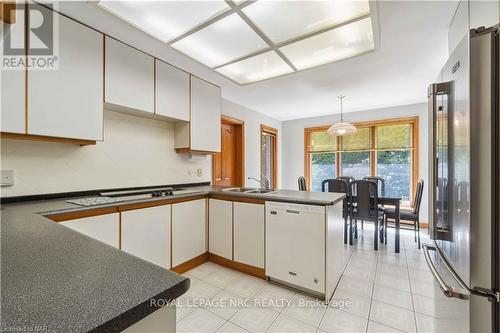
(387, 292)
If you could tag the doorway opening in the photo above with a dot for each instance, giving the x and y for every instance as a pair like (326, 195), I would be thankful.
(269, 154)
(228, 166)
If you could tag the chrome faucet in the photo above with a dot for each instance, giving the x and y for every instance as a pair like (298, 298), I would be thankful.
(265, 183)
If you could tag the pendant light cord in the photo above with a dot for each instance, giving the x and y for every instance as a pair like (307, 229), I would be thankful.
(341, 108)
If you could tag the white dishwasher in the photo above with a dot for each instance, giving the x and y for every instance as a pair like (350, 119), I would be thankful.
(295, 244)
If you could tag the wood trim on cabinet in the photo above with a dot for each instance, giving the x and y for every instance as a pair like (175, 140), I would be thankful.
(61, 217)
(8, 11)
(197, 152)
(237, 198)
(238, 266)
(273, 131)
(30, 137)
(190, 264)
(166, 201)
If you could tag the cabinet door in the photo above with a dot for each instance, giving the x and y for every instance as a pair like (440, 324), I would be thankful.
(12, 85)
(145, 233)
(67, 102)
(172, 92)
(104, 228)
(129, 77)
(205, 115)
(188, 230)
(220, 228)
(249, 234)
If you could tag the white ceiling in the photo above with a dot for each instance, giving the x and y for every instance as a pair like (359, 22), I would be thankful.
(412, 48)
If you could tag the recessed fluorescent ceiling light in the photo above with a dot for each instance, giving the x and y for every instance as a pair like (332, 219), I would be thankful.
(283, 20)
(165, 20)
(260, 67)
(221, 42)
(337, 44)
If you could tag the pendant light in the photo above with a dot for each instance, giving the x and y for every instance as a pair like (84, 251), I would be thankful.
(341, 128)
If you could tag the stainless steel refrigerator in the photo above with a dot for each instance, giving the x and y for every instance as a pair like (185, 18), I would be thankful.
(464, 186)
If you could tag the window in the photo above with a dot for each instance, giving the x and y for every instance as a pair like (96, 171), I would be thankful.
(269, 154)
(388, 149)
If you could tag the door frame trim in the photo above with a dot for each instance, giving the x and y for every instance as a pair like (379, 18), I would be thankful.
(273, 131)
(240, 147)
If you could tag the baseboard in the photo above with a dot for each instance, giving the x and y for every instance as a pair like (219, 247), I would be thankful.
(237, 266)
(190, 264)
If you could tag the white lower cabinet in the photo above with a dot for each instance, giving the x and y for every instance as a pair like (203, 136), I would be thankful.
(220, 228)
(249, 234)
(146, 234)
(188, 230)
(104, 228)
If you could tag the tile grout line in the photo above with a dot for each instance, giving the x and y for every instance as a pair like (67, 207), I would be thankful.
(411, 290)
(373, 291)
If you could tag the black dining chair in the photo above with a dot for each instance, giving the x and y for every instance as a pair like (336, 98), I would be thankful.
(381, 189)
(339, 186)
(407, 214)
(348, 179)
(363, 204)
(302, 183)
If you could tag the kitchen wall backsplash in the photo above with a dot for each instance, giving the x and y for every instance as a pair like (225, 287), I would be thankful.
(135, 152)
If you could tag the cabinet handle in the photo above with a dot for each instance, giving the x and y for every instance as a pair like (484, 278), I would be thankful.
(292, 273)
(273, 212)
(292, 211)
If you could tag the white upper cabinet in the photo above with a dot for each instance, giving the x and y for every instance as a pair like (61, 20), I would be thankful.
(203, 132)
(172, 92)
(129, 77)
(145, 233)
(205, 115)
(13, 89)
(67, 102)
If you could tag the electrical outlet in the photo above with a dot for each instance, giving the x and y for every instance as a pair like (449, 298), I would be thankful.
(7, 178)
(191, 172)
(199, 172)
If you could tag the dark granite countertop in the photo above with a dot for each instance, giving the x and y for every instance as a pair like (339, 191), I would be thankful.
(57, 280)
(61, 280)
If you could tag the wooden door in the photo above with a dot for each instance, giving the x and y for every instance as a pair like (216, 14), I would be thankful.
(225, 161)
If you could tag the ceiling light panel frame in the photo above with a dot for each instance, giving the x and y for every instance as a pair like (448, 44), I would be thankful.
(237, 8)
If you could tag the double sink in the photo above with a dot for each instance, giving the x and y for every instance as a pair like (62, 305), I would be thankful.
(250, 190)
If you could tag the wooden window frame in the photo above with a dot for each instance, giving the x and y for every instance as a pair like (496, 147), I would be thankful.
(273, 131)
(413, 121)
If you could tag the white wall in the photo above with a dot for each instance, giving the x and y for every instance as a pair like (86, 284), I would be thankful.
(293, 141)
(135, 152)
(253, 120)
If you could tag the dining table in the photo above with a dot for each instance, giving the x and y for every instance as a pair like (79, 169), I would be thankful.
(385, 201)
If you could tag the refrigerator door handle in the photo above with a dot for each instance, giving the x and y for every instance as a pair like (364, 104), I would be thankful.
(447, 290)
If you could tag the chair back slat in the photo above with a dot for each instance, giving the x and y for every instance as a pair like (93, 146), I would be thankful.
(363, 195)
(380, 183)
(302, 183)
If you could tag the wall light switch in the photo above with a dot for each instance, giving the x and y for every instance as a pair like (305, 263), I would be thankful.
(199, 172)
(7, 177)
